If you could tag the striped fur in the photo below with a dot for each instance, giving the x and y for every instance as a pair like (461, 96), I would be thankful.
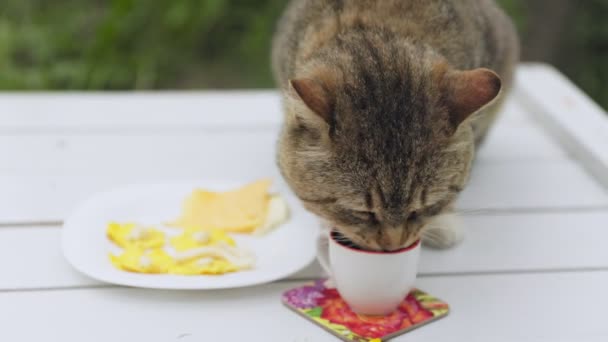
(386, 156)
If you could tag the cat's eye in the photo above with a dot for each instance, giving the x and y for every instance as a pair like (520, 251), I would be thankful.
(413, 216)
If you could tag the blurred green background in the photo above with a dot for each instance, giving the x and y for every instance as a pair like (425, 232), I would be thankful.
(202, 44)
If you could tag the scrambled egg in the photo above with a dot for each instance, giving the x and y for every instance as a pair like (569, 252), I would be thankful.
(192, 253)
(203, 246)
(131, 234)
(193, 239)
(135, 259)
(205, 266)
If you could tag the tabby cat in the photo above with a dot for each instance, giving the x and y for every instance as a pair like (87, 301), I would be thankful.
(385, 103)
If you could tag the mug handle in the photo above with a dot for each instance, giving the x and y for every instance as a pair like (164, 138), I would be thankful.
(323, 257)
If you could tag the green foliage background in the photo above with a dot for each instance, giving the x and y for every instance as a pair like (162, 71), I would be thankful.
(187, 44)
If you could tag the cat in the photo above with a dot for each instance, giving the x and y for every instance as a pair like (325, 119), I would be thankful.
(385, 103)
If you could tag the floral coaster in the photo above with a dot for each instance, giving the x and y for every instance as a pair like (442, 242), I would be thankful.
(325, 307)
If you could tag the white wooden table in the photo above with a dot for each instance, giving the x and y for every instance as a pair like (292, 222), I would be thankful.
(533, 267)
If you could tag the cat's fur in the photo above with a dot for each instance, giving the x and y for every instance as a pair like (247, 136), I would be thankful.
(379, 95)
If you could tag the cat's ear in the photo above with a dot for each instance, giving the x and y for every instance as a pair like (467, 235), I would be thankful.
(316, 96)
(469, 91)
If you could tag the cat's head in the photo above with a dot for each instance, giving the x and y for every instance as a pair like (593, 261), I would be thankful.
(378, 152)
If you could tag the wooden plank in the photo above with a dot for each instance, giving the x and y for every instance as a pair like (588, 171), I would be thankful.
(531, 308)
(528, 185)
(31, 258)
(526, 143)
(225, 147)
(522, 308)
(185, 154)
(111, 110)
(29, 196)
(569, 114)
(518, 243)
(229, 149)
(515, 136)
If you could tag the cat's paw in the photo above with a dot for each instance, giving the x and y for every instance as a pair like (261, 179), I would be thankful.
(444, 231)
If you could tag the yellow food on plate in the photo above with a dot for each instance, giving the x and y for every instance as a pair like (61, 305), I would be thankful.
(131, 234)
(208, 253)
(204, 266)
(237, 256)
(135, 259)
(218, 258)
(190, 253)
(193, 239)
(203, 246)
(243, 210)
(212, 260)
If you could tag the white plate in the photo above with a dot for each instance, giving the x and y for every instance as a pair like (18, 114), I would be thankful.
(282, 252)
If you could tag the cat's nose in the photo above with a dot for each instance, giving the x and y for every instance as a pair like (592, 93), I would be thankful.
(391, 239)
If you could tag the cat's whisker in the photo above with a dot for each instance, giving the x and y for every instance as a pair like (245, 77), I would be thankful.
(473, 211)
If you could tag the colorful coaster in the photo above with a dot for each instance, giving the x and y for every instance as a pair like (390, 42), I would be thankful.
(325, 307)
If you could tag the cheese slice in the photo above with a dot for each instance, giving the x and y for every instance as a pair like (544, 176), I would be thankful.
(238, 211)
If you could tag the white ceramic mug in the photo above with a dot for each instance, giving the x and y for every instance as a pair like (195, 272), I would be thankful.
(372, 283)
